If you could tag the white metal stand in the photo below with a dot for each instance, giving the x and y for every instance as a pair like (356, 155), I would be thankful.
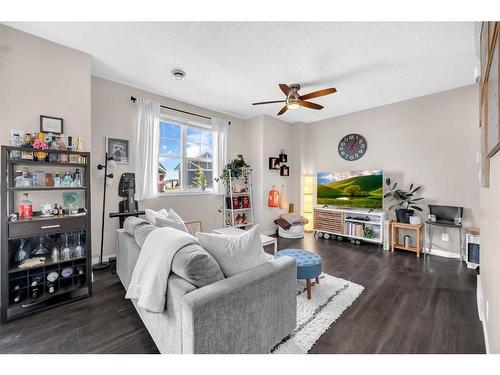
(233, 212)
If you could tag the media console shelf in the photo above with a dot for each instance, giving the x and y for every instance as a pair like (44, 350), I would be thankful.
(354, 224)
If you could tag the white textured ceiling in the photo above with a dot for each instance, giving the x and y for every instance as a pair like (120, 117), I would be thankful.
(231, 65)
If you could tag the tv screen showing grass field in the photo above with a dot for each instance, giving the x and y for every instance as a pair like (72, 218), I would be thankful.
(360, 189)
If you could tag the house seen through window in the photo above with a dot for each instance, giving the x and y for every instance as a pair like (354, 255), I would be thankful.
(185, 160)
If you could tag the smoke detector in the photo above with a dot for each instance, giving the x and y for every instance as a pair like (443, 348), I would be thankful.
(178, 74)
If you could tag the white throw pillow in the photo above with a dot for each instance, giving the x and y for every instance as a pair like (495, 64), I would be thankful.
(235, 254)
(172, 220)
(151, 215)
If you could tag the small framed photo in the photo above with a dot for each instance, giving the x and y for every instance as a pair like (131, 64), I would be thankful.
(274, 163)
(49, 124)
(193, 227)
(118, 149)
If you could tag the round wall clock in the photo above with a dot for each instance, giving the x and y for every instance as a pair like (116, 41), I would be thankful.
(352, 147)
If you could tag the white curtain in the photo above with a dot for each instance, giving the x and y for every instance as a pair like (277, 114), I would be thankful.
(147, 149)
(219, 129)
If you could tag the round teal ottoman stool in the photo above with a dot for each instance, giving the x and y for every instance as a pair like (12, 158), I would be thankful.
(309, 265)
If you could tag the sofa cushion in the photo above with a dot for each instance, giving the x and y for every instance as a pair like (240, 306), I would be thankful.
(172, 220)
(151, 215)
(235, 254)
(197, 266)
(142, 231)
(132, 222)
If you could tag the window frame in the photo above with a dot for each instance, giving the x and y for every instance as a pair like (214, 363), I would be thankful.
(185, 123)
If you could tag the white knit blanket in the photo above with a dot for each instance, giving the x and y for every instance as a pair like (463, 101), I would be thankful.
(149, 279)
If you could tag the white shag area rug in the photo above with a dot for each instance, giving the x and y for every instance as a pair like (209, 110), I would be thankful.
(329, 300)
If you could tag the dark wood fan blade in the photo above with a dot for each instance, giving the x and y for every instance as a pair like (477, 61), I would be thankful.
(273, 101)
(283, 110)
(284, 88)
(317, 94)
(311, 105)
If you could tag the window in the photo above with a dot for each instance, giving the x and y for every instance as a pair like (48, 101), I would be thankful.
(185, 160)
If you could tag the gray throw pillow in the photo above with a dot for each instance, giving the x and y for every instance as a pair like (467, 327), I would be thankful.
(195, 265)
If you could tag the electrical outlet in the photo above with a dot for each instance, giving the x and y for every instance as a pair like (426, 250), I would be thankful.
(445, 237)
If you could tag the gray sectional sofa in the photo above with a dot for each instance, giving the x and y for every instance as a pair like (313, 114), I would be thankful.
(247, 313)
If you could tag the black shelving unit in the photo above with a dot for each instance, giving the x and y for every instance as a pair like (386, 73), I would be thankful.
(19, 282)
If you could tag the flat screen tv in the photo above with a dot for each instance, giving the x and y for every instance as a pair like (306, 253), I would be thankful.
(359, 189)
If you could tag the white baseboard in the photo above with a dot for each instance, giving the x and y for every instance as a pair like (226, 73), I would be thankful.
(95, 258)
(444, 253)
(481, 312)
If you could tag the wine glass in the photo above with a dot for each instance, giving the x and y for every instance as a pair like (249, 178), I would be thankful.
(40, 249)
(79, 249)
(66, 251)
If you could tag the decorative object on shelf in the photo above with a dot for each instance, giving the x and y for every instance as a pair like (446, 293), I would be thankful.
(71, 201)
(54, 254)
(234, 169)
(118, 149)
(52, 276)
(284, 171)
(49, 124)
(415, 220)
(193, 227)
(404, 200)
(79, 249)
(47, 210)
(79, 144)
(273, 198)
(67, 272)
(108, 162)
(352, 147)
(49, 181)
(368, 232)
(25, 207)
(40, 144)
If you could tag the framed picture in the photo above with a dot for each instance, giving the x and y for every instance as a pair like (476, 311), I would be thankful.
(118, 149)
(193, 227)
(274, 163)
(49, 124)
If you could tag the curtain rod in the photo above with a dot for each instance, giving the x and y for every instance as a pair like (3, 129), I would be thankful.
(133, 99)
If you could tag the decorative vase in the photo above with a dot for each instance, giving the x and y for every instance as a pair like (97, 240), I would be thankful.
(40, 156)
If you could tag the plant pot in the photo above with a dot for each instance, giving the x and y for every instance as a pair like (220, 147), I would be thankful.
(403, 215)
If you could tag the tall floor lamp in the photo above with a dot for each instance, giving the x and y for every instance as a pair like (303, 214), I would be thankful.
(102, 265)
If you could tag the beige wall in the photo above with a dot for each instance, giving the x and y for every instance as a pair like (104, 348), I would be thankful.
(114, 115)
(429, 140)
(38, 77)
(490, 259)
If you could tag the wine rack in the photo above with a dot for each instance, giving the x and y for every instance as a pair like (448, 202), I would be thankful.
(29, 288)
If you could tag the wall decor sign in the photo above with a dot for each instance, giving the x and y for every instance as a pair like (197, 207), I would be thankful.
(118, 149)
(49, 124)
(274, 163)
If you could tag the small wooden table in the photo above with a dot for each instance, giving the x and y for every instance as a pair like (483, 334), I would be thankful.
(394, 237)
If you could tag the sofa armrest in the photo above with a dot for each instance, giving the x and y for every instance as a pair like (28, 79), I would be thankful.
(247, 313)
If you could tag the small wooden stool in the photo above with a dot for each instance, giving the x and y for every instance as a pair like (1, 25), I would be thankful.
(418, 228)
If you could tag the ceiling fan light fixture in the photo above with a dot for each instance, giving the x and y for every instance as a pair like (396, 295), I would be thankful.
(292, 103)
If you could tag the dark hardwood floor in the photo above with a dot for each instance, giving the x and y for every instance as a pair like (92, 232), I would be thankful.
(409, 305)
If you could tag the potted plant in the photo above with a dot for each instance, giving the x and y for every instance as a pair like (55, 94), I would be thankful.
(200, 179)
(235, 168)
(404, 201)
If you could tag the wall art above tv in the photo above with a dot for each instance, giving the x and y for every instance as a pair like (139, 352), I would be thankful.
(359, 189)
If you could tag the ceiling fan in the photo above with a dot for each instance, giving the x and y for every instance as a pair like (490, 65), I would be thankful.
(294, 100)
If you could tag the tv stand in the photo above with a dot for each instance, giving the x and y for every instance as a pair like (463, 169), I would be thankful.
(340, 223)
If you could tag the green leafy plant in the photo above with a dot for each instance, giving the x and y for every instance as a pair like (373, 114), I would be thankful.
(235, 168)
(200, 179)
(403, 198)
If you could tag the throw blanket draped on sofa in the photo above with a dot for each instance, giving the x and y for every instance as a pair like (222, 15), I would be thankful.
(149, 279)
